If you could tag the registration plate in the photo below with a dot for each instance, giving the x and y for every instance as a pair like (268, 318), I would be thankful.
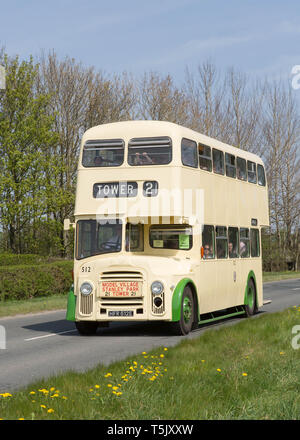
(127, 289)
(120, 313)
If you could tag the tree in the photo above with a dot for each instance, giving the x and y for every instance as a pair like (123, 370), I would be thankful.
(159, 99)
(25, 133)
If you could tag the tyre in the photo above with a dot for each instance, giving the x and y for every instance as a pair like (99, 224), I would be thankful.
(250, 308)
(86, 328)
(185, 324)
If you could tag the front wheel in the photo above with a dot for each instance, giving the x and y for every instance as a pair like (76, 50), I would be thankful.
(185, 324)
(86, 328)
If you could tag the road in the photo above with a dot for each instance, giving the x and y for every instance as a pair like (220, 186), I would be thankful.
(45, 344)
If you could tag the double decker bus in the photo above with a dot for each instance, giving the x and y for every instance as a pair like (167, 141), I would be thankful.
(167, 228)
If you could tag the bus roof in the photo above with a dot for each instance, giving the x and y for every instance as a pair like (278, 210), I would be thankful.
(128, 129)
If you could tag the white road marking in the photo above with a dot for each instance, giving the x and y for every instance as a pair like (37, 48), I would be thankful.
(296, 288)
(48, 336)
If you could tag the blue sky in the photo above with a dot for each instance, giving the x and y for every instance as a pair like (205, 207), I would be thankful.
(260, 38)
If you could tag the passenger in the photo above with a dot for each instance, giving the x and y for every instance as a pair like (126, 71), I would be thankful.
(232, 252)
(143, 159)
(243, 249)
(207, 252)
(98, 161)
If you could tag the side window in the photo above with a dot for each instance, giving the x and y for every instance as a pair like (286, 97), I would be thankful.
(254, 235)
(208, 242)
(189, 154)
(241, 168)
(205, 161)
(218, 161)
(134, 238)
(230, 165)
(261, 175)
(221, 241)
(233, 242)
(244, 243)
(251, 166)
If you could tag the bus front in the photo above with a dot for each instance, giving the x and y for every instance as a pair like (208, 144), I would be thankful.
(132, 244)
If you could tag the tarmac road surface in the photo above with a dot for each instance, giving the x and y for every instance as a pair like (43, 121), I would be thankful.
(45, 344)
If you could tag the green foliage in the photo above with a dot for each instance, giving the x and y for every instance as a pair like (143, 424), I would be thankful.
(8, 259)
(35, 280)
(28, 158)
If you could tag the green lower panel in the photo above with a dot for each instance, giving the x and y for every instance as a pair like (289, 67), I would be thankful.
(217, 318)
(71, 307)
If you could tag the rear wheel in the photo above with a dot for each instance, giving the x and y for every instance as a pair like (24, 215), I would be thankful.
(185, 324)
(250, 307)
(86, 327)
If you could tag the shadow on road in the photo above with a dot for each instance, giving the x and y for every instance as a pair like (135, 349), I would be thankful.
(119, 329)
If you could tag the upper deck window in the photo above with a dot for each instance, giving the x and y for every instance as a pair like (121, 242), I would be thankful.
(241, 168)
(230, 165)
(150, 151)
(261, 175)
(103, 153)
(189, 156)
(251, 166)
(218, 161)
(205, 157)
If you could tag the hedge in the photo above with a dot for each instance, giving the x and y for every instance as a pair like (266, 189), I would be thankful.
(28, 281)
(7, 259)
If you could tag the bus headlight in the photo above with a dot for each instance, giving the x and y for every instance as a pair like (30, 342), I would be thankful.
(86, 288)
(157, 287)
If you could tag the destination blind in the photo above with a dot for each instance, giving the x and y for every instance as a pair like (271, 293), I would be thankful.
(124, 189)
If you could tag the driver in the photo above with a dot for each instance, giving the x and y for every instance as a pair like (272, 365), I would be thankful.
(115, 242)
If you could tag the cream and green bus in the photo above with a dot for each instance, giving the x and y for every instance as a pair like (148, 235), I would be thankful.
(167, 228)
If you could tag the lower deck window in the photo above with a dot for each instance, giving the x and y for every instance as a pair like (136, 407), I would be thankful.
(221, 241)
(134, 238)
(171, 237)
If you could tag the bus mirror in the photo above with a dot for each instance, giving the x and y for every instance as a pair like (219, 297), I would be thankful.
(68, 224)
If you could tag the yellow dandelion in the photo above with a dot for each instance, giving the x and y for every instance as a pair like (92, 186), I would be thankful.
(109, 385)
(115, 388)
(219, 370)
(144, 352)
(43, 406)
(162, 356)
(165, 349)
(64, 397)
(52, 389)
(245, 374)
(108, 375)
(50, 410)
(21, 418)
(32, 392)
(97, 386)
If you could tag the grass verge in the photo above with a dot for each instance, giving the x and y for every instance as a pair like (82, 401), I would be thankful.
(245, 371)
(32, 305)
(277, 276)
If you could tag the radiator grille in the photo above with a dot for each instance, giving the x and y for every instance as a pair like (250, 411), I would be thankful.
(86, 304)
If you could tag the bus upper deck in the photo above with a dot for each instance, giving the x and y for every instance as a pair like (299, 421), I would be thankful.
(124, 166)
